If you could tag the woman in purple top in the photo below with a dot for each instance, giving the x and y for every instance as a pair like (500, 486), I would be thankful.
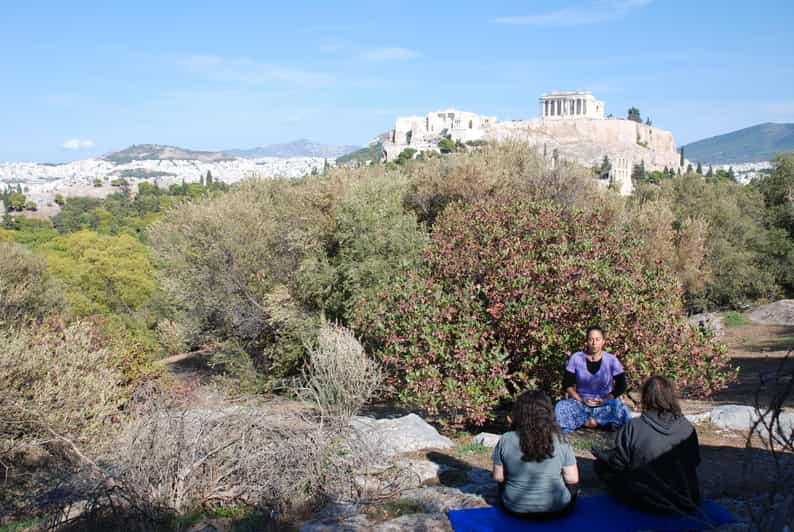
(594, 380)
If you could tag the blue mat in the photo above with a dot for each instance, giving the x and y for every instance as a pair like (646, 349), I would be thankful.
(591, 514)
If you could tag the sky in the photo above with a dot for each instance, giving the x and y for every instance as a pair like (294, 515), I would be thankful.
(79, 79)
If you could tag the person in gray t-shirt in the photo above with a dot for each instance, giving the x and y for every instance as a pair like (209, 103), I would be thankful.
(533, 464)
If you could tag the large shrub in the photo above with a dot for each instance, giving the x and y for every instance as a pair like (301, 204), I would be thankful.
(26, 289)
(228, 268)
(506, 291)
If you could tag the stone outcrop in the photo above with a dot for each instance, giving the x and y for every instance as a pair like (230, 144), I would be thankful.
(400, 435)
(575, 135)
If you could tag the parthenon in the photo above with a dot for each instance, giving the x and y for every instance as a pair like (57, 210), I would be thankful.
(574, 104)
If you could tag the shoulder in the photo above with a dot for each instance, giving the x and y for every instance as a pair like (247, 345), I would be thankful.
(576, 357)
(611, 359)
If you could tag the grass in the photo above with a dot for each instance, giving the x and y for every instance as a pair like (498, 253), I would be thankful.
(473, 447)
(393, 509)
(19, 526)
(735, 319)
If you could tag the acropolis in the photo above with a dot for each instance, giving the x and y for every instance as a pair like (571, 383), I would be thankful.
(571, 125)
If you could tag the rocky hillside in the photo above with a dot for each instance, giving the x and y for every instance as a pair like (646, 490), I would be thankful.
(154, 152)
(748, 145)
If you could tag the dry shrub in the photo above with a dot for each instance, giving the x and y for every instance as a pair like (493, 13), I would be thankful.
(505, 169)
(679, 247)
(173, 462)
(173, 336)
(26, 291)
(56, 385)
(340, 377)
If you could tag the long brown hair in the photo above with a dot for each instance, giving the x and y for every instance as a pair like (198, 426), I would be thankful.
(658, 395)
(533, 420)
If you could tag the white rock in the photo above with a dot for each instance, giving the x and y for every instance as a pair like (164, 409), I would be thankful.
(488, 439)
(400, 435)
(736, 417)
(699, 417)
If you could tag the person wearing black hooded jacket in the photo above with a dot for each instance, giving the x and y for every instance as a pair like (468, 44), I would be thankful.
(654, 463)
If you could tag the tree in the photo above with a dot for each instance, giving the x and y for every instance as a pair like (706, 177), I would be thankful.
(207, 180)
(681, 159)
(648, 121)
(59, 199)
(16, 201)
(638, 171)
(689, 168)
(446, 145)
(699, 169)
(710, 172)
(731, 174)
(634, 114)
(406, 155)
(605, 168)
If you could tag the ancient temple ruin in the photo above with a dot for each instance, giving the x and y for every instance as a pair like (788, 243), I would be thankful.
(575, 104)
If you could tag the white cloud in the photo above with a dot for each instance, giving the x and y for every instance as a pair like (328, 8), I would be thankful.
(598, 11)
(78, 144)
(244, 70)
(389, 54)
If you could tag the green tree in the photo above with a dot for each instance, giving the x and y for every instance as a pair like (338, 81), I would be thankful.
(681, 159)
(406, 155)
(207, 180)
(59, 199)
(699, 169)
(634, 115)
(446, 145)
(16, 201)
(102, 274)
(710, 172)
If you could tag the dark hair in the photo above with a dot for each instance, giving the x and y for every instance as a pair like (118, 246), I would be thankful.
(658, 395)
(595, 328)
(533, 420)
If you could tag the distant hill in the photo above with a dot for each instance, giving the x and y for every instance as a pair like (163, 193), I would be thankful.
(296, 148)
(371, 152)
(752, 144)
(153, 152)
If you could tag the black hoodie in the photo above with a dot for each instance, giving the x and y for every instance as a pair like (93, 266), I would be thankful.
(654, 462)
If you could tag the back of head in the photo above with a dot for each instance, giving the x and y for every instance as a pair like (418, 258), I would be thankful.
(658, 395)
(533, 420)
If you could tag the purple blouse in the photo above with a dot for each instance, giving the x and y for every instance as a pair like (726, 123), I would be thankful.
(596, 386)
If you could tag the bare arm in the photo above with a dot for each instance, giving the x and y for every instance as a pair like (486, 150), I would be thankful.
(570, 474)
(498, 473)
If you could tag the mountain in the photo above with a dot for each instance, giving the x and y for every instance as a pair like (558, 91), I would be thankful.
(296, 148)
(752, 144)
(153, 152)
(371, 152)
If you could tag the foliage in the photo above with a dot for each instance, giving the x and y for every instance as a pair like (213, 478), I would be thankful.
(102, 274)
(734, 319)
(736, 244)
(507, 288)
(406, 155)
(340, 378)
(57, 383)
(509, 168)
(26, 288)
(371, 239)
(371, 152)
(229, 263)
(446, 145)
(634, 115)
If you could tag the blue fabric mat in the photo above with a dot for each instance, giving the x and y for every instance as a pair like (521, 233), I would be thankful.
(591, 514)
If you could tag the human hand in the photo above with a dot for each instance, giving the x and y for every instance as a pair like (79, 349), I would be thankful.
(592, 403)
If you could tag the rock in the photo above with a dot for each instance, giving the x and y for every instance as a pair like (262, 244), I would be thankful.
(710, 321)
(741, 418)
(423, 470)
(442, 498)
(486, 438)
(419, 522)
(736, 417)
(777, 313)
(400, 435)
(699, 417)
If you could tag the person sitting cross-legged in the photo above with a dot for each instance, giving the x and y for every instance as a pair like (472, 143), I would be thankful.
(653, 465)
(533, 464)
(594, 381)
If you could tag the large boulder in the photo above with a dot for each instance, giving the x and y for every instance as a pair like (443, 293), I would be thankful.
(400, 435)
(777, 313)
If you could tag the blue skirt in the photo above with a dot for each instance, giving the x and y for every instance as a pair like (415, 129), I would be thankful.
(571, 414)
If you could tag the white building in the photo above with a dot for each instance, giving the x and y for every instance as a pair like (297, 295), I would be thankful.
(570, 104)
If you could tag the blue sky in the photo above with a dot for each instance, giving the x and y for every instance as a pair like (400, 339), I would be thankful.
(78, 79)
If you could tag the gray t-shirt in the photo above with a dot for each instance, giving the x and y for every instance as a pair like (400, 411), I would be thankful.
(533, 486)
